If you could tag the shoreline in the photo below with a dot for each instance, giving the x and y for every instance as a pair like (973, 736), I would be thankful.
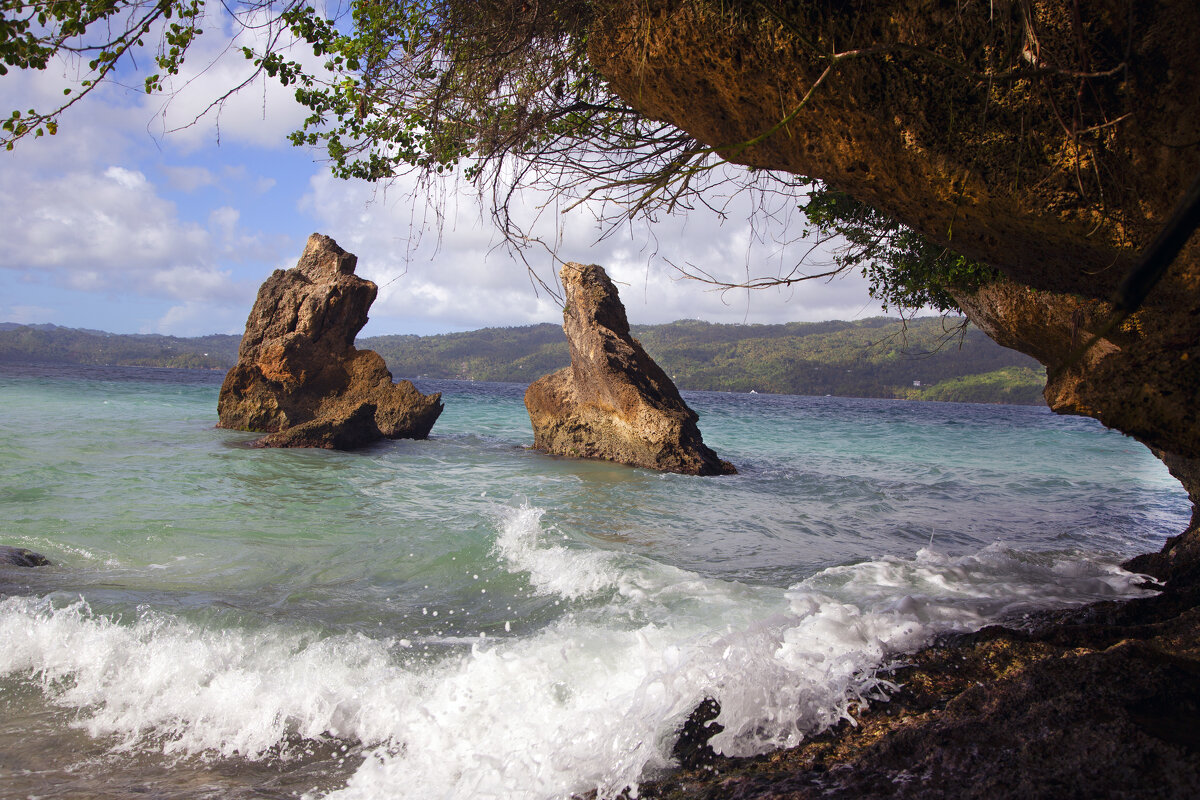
(1097, 701)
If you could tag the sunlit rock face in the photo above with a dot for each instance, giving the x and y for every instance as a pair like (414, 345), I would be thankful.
(1050, 139)
(614, 402)
(299, 377)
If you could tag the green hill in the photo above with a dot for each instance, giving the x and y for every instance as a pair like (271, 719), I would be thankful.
(56, 345)
(878, 357)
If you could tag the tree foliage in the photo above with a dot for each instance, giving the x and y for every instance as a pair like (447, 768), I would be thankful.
(905, 269)
(99, 35)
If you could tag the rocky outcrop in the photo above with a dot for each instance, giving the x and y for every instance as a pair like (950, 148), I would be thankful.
(20, 557)
(614, 402)
(1095, 702)
(1139, 378)
(1049, 139)
(299, 377)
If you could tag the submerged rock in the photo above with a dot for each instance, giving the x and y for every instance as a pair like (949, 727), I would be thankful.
(614, 402)
(299, 377)
(20, 557)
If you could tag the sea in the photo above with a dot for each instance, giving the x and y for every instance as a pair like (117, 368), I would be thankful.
(465, 617)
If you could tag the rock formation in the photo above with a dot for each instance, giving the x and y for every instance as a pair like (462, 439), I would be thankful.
(1049, 139)
(299, 377)
(614, 402)
(20, 557)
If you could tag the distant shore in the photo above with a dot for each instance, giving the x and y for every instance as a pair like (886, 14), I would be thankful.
(922, 359)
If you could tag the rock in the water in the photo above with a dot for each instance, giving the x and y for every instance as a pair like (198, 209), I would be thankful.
(20, 557)
(299, 377)
(614, 402)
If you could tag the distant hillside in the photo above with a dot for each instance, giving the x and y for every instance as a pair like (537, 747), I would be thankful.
(54, 345)
(879, 357)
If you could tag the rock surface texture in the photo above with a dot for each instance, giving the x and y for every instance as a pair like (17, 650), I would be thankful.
(299, 377)
(20, 557)
(614, 402)
(1050, 139)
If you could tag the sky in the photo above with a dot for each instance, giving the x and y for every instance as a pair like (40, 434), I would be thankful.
(135, 219)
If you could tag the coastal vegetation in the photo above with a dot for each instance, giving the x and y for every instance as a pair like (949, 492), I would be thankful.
(54, 344)
(877, 357)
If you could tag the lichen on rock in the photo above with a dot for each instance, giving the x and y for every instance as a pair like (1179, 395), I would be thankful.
(613, 402)
(299, 377)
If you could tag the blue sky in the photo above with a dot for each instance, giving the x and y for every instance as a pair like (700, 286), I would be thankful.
(126, 221)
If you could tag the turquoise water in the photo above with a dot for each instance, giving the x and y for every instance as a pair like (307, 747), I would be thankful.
(463, 617)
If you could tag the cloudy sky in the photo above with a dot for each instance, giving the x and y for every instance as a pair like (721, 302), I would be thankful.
(131, 220)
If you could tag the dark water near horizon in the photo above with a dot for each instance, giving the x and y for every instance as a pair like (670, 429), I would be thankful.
(464, 617)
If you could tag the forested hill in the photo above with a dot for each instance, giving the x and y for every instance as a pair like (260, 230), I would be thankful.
(52, 344)
(879, 357)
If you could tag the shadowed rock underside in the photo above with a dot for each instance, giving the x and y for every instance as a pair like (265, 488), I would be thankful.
(299, 377)
(1050, 139)
(614, 402)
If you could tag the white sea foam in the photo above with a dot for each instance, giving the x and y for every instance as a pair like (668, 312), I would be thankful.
(591, 701)
(552, 568)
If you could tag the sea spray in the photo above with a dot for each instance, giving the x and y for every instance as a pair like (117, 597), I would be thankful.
(591, 701)
(258, 611)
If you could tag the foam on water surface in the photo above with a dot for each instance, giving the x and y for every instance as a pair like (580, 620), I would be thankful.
(590, 700)
(243, 613)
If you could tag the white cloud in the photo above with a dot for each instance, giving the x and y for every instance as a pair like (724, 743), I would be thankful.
(107, 229)
(445, 264)
(197, 110)
(28, 314)
(126, 178)
(223, 221)
(199, 319)
(189, 179)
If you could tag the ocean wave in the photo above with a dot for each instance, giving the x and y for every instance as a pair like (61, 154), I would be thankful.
(590, 701)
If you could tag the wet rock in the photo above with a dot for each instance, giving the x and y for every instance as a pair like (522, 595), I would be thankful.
(691, 749)
(614, 402)
(20, 557)
(1101, 701)
(299, 377)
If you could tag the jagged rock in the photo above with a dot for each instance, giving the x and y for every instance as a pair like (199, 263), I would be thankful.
(20, 557)
(614, 402)
(299, 377)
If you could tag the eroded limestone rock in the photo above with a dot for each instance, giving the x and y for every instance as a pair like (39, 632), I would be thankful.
(614, 402)
(299, 377)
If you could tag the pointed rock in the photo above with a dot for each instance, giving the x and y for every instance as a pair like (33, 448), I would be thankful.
(299, 377)
(613, 402)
